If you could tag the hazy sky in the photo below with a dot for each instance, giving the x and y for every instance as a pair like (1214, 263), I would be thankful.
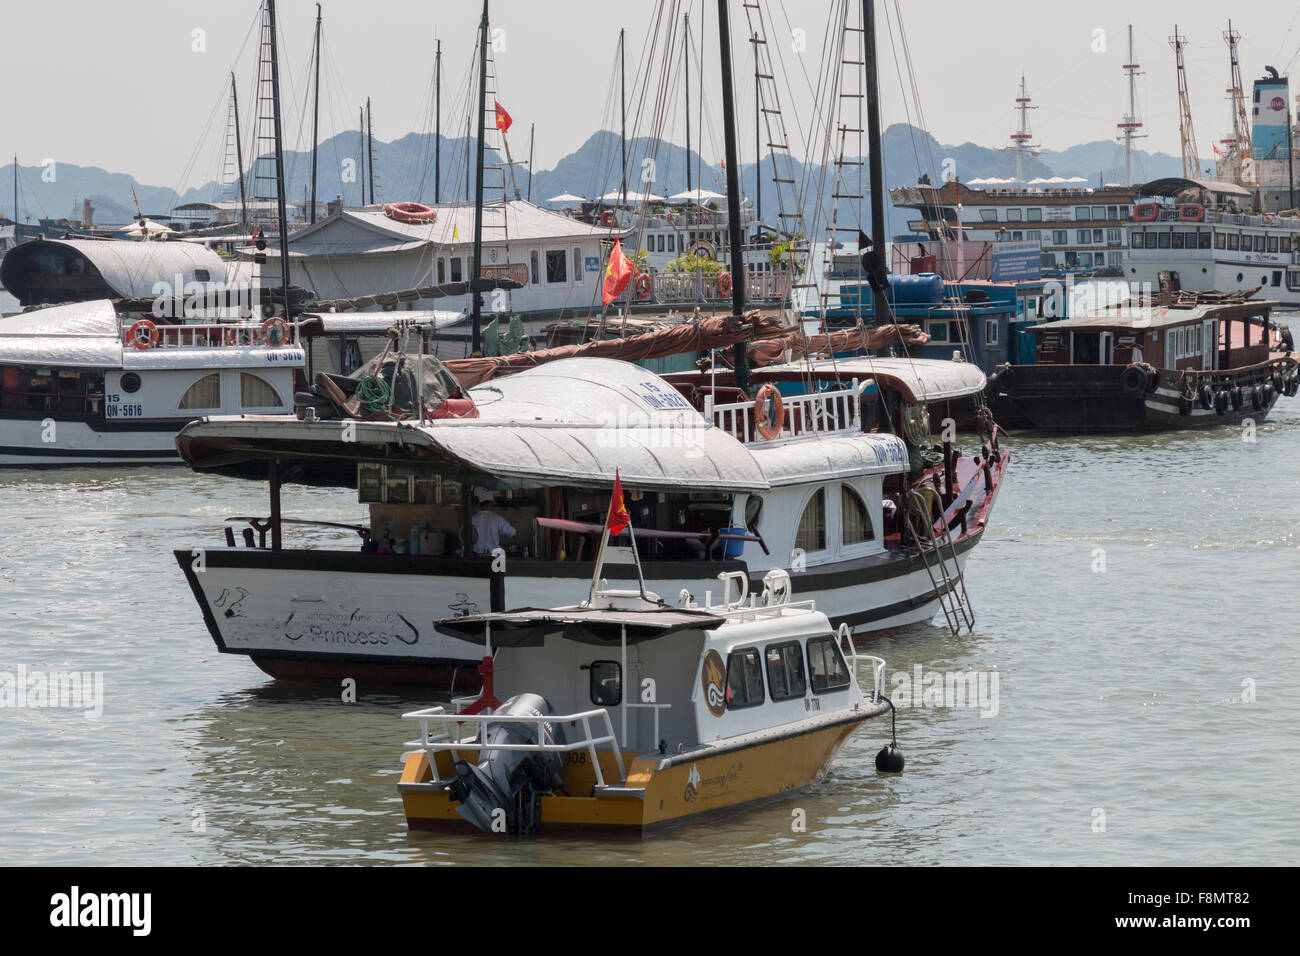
(121, 85)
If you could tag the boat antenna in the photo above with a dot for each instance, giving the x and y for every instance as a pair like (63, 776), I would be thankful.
(740, 359)
(437, 124)
(1130, 126)
(315, 122)
(282, 216)
(476, 319)
(878, 272)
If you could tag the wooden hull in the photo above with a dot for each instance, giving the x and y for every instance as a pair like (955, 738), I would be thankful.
(704, 784)
(1086, 399)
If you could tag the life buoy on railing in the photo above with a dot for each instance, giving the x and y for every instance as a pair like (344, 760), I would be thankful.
(644, 285)
(275, 332)
(608, 219)
(143, 334)
(413, 212)
(1146, 212)
(768, 426)
(1191, 212)
(724, 284)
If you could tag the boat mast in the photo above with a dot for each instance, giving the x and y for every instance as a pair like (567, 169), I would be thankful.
(361, 157)
(1191, 158)
(686, 68)
(437, 124)
(476, 344)
(370, 148)
(1243, 149)
(1130, 126)
(758, 148)
(282, 216)
(16, 196)
(315, 122)
(239, 157)
(1020, 139)
(739, 352)
(622, 94)
(876, 171)
(532, 128)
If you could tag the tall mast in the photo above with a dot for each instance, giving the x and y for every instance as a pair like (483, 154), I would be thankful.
(282, 216)
(622, 94)
(16, 196)
(469, 166)
(758, 149)
(239, 157)
(1191, 157)
(370, 148)
(1020, 139)
(362, 154)
(740, 359)
(476, 346)
(437, 124)
(532, 128)
(315, 122)
(876, 171)
(1128, 129)
(686, 68)
(1242, 149)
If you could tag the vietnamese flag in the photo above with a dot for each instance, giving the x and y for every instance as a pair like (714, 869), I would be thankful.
(617, 275)
(618, 518)
(503, 118)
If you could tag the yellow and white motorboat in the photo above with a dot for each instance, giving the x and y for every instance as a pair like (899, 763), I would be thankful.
(627, 714)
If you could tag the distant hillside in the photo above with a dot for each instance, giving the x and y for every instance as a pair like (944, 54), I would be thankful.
(404, 171)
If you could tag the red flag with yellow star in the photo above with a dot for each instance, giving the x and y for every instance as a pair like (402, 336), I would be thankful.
(618, 518)
(503, 118)
(617, 274)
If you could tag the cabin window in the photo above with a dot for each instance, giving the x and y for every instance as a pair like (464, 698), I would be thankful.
(826, 667)
(785, 674)
(1113, 235)
(1136, 241)
(811, 535)
(1082, 236)
(1164, 240)
(1035, 215)
(744, 679)
(130, 383)
(606, 683)
(577, 263)
(202, 275)
(1286, 243)
(1060, 237)
(534, 275)
(1014, 215)
(442, 271)
(1081, 213)
(989, 215)
(1112, 212)
(1178, 240)
(205, 393)
(1272, 243)
(1259, 243)
(672, 243)
(938, 331)
(1203, 240)
(256, 392)
(556, 270)
(990, 331)
(855, 518)
(456, 274)
(1234, 240)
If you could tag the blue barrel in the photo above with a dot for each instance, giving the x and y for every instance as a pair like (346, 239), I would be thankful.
(925, 288)
(733, 549)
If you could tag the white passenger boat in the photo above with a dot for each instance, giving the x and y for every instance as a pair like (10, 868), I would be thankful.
(82, 385)
(626, 714)
(823, 491)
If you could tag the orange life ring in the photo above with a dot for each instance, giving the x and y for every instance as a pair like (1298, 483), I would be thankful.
(724, 285)
(414, 212)
(608, 220)
(1146, 212)
(149, 340)
(281, 327)
(767, 428)
(1191, 212)
(644, 285)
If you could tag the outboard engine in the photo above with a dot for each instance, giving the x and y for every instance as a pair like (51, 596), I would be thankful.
(507, 785)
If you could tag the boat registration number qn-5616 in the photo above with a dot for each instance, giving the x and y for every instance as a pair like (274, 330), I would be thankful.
(115, 408)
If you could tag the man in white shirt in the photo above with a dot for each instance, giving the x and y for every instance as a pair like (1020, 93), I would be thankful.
(488, 525)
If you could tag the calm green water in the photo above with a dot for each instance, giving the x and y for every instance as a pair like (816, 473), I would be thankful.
(1121, 690)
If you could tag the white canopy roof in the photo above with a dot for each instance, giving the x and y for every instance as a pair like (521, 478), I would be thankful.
(77, 335)
(632, 197)
(697, 195)
(141, 227)
(920, 380)
(566, 197)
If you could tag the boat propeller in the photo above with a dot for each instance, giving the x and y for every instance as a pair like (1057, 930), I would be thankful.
(890, 758)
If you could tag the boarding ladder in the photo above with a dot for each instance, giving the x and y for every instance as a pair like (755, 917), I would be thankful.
(789, 197)
(499, 188)
(945, 572)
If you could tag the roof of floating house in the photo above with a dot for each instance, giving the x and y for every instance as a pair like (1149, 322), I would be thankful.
(129, 268)
(360, 232)
(1156, 316)
(920, 380)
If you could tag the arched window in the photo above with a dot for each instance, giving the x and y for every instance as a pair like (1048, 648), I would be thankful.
(811, 535)
(205, 393)
(256, 392)
(855, 517)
